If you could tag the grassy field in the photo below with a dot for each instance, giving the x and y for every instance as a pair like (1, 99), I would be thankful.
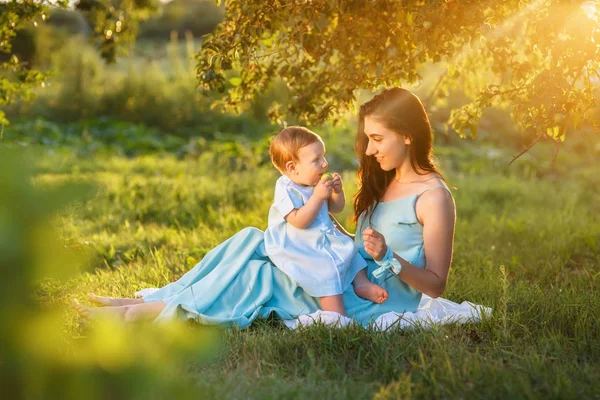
(527, 245)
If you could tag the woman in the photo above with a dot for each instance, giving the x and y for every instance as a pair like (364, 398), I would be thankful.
(405, 215)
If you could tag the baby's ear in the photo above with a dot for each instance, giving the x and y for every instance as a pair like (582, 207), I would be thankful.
(407, 140)
(290, 167)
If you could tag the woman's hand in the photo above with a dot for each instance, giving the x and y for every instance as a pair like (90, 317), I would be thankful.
(374, 243)
(336, 183)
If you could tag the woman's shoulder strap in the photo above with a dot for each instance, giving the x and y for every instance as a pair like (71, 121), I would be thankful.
(441, 185)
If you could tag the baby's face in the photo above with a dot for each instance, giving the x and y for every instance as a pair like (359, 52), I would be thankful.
(311, 165)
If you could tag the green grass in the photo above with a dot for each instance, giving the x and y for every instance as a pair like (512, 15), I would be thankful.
(527, 245)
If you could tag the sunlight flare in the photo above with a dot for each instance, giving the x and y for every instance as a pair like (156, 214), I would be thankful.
(592, 10)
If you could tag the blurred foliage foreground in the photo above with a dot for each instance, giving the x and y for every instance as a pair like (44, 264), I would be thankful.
(37, 361)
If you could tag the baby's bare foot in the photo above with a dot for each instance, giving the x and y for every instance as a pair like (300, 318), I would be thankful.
(112, 301)
(92, 313)
(370, 291)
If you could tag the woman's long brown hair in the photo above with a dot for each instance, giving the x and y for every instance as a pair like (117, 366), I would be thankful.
(402, 112)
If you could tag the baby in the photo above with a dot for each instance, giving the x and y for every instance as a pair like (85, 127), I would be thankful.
(301, 239)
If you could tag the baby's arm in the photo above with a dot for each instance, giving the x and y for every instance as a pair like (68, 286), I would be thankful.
(304, 216)
(337, 201)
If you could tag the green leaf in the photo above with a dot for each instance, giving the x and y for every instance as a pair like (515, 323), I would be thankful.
(235, 81)
(474, 130)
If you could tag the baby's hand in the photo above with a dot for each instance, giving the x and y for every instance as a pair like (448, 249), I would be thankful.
(323, 189)
(336, 183)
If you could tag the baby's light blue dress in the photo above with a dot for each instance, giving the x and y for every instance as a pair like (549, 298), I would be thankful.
(236, 282)
(319, 257)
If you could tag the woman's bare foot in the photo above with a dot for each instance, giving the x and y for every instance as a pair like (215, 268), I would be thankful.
(92, 313)
(127, 313)
(370, 291)
(112, 301)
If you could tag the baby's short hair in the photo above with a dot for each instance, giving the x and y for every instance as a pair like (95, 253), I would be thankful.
(285, 145)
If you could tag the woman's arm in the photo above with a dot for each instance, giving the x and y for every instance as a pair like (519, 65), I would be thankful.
(436, 211)
(340, 227)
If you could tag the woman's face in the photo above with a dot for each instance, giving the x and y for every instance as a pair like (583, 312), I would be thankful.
(389, 148)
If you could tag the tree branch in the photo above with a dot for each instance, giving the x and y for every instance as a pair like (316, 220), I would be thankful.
(437, 85)
(526, 149)
(510, 91)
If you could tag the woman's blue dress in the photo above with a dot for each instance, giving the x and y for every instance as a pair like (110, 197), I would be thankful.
(235, 283)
